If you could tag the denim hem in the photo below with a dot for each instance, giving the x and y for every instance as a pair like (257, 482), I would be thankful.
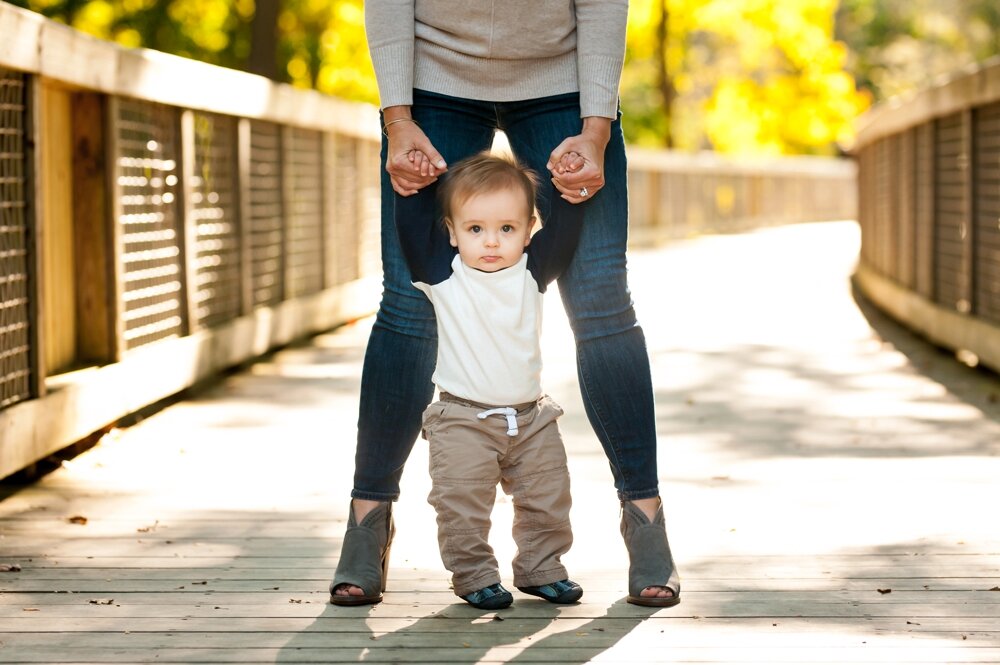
(373, 496)
(638, 494)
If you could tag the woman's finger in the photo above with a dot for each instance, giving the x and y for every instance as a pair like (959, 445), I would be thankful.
(572, 193)
(409, 182)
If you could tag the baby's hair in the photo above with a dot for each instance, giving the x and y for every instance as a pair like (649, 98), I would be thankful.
(484, 173)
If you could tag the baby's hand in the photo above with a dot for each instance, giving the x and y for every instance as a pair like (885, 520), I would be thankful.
(422, 163)
(570, 162)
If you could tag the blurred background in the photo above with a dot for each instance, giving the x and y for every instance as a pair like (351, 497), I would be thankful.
(742, 77)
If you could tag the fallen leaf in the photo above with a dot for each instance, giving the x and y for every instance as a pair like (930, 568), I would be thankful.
(77, 519)
(996, 588)
(965, 637)
(912, 623)
(202, 582)
(102, 601)
(884, 591)
(599, 630)
(9, 568)
(295, 600)
(497, 617)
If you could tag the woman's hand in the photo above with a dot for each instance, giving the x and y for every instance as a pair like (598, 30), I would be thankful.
(412, 162)
(579, 179)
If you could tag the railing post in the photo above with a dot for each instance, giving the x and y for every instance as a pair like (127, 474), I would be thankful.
(243, 142)
(331, 235)
(188, 237)
(116, 263)
(34, 227)
(924, 209)
(93, 240)
(969, 210)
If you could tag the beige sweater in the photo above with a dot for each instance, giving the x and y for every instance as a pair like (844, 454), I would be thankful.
(499, 50)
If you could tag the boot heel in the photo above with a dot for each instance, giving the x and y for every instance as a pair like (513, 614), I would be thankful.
(385, 564)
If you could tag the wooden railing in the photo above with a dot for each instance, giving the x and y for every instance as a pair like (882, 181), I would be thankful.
(676, 195)
(162, 219)
(929, 192)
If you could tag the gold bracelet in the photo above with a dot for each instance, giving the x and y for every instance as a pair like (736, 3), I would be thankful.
(385, 127)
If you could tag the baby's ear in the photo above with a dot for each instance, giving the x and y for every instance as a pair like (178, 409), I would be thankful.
(531, 225)
(451, 232)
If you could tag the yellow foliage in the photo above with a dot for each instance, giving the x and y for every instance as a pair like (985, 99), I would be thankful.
(752, 76)
(96, 18)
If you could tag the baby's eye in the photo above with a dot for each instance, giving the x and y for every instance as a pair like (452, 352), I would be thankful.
(475, 228)
(507, 228)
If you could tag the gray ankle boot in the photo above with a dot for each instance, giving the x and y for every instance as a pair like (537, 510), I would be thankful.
(364, 556)
(650, 562)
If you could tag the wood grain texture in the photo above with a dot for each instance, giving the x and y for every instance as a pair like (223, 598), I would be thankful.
(809, 459)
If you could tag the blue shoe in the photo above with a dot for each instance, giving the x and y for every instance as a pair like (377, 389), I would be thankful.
(493, 597)
(561, 592)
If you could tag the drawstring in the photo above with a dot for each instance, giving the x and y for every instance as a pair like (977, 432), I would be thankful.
(503, 411)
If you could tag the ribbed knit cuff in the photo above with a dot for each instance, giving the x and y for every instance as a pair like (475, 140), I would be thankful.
(599, 77)
(469, 77)
(393, 65)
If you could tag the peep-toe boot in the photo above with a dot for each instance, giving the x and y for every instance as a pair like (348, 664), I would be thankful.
(650, 562)
(364, 556)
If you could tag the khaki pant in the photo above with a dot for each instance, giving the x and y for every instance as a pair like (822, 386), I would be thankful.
(468, 457)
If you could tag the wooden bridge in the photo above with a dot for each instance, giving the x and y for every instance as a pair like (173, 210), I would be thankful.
(830, 483)
(174, 235)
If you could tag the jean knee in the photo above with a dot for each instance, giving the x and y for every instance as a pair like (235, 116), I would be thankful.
(406, 311)
(597, 307)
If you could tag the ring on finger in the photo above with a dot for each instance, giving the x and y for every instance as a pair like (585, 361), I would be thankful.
(584, 192)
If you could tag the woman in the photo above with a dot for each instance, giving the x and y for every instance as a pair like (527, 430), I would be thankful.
(450, 74)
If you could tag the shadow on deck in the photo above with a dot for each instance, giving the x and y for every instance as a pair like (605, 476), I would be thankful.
(827, 478)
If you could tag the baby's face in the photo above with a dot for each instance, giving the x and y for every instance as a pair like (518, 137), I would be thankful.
(491, 229)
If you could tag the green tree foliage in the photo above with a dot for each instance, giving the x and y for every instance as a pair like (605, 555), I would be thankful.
(900, 45)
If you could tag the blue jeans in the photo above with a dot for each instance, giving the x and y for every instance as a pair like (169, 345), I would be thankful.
(612, 364)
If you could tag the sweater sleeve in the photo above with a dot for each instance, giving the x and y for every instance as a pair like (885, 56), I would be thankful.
(553, 247)
(389, 26)
(600, 54)
(425, 243)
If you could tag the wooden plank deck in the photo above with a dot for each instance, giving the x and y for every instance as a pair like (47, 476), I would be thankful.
(830, 482)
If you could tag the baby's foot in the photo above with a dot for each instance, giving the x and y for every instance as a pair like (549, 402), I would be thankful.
(493, 597)
(561, 592)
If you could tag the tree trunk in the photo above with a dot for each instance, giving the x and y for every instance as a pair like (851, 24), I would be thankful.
(263, 59)
(665, 82)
